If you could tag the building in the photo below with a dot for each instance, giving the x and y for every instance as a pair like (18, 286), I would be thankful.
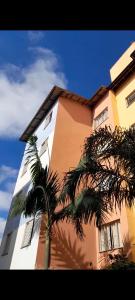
(61, 125)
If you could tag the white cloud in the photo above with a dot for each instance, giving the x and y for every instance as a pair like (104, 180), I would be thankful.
(7, 172)
(22, 90)
(5, 200)
(35, 36)
(2, 227)
(2, 224)
(7, 176)
(10, 186)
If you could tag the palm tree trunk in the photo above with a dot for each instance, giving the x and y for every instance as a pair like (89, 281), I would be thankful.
(47, 247)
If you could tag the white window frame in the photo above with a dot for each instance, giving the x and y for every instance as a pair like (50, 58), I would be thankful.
(44, 147)
(130, 99)
(29, 233)
(102, 117)
(48, 119)
(25, 167)
(113, 237)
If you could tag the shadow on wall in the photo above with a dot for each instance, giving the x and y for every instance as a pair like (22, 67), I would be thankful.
(65, 254)
(77, 112)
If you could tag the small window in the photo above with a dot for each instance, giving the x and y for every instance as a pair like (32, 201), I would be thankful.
(131, 98)
(44, 147)
(101, 118)
(7, 244)
(48, 120)
(110, 237)
(25, 167)
(133, 126)
(27, 234)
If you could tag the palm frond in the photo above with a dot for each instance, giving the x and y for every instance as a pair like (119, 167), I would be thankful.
(74, 177)
(65, 213)
(18, 206)
(33, 156)
(90, 205)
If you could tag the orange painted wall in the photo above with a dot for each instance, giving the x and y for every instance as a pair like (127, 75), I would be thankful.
(67, 149)
(73, 125)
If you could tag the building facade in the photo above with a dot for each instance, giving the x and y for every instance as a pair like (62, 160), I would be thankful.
(61, 124)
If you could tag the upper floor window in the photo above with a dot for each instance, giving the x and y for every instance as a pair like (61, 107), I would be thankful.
(7, 243)
(43, 147)
(110, 237)
(25, 166)
(48, 119)
(27, 234)
(130, 98)
(133, 126)
(101, 118)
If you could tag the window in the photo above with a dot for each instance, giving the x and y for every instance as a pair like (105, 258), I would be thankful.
(48, 119)
(133, 126)
(109, 237)
(27, 234)
(44, 147)
(131, 98)
(101, 118)
(25, 167)
(7, 243)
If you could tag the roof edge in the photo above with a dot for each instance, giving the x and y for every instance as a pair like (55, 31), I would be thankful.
(47, 104)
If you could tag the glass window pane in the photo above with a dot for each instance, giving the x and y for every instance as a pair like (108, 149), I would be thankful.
(48, 120)
(115, 235)
(44, 147)
(101, 118)
(27, 234)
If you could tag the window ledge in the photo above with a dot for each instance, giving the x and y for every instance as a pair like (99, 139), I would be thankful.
(110, 250)
(25, 246)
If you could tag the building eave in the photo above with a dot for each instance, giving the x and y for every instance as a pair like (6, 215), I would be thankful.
(98, 95)
(50, 100)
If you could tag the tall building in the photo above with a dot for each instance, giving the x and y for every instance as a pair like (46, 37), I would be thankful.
(61, 124)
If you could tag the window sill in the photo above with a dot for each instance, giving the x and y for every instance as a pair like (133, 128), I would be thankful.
(26, 246)
(110, 250)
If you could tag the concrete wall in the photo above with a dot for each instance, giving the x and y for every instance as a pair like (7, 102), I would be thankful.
(122, 62)
(126, 114)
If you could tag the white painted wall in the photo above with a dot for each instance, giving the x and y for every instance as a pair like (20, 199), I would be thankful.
(25, 258)
(42, 135)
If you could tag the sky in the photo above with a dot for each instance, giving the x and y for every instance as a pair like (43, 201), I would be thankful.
(31, 63)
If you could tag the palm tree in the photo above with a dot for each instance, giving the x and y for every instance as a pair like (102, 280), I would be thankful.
(104, 178)
(42, 198)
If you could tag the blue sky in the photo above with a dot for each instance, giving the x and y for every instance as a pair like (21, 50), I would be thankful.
(31, 62)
